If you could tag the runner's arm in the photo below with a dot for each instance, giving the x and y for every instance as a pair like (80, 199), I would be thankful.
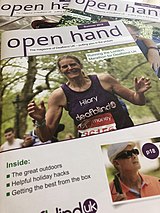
(46, 126)
(136, 97)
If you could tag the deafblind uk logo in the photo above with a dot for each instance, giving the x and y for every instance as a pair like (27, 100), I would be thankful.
(88, 206)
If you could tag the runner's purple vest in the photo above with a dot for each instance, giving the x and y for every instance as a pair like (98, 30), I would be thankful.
(95, 101)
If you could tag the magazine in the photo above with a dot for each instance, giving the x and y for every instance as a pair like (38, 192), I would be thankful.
(73, 174)
(141, 19)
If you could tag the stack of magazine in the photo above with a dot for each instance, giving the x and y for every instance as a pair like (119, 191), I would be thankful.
(97, 164)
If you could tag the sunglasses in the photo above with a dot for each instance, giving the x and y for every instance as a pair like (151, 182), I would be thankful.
(127, 154)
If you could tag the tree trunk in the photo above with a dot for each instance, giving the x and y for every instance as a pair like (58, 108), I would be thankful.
(24, 98)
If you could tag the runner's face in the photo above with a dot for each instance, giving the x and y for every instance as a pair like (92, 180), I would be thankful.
(129, 164)
(70, 67)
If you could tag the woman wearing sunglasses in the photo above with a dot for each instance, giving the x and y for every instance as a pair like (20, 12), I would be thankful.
(90, 99)
(129, 183)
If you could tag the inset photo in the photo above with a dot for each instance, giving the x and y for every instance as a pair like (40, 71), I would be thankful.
(133, 169)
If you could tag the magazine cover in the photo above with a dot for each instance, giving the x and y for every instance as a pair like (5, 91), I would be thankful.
(141, 19)
(67, 95)
(100, 53)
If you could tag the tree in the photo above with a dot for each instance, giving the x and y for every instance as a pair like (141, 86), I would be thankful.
(12, 74)
(25, 97)
(6, 83)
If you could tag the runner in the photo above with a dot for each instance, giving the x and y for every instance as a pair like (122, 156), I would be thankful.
(91, 101)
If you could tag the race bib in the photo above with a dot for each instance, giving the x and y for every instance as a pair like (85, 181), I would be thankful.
(97, 124)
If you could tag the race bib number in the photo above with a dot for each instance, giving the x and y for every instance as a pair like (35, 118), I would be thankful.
(97, 124)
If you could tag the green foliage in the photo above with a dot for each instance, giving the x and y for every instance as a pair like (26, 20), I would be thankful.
(69, 126)
(111, 171)
(8, 115)
(156, 32)
(78, 18)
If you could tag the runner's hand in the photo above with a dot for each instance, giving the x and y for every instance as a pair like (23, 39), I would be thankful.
(37, 112)
(142, 85)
